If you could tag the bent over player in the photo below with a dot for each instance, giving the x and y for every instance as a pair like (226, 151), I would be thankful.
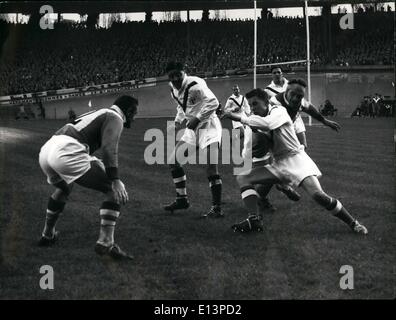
(197, 104)
(66, 158)
(291, 164)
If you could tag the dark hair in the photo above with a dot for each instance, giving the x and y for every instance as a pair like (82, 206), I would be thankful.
(259, 93)
(276, 67)
(174, 65)
(298, 81)
(126, 102)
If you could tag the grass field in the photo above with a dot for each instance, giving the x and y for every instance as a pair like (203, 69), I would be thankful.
(182, 257)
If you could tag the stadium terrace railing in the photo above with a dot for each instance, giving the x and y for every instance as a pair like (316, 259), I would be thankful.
(92, 90)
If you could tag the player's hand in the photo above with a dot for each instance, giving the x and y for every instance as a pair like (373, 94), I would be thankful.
(174, 126)
(332, 124)
(226, 114)
(220, 111)
(120, 193)
(193, 123)
(232, 116)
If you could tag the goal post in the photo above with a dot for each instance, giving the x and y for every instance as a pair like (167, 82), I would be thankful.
(307, 60)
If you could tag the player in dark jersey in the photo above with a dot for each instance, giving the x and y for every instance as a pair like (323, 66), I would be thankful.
(66, 158)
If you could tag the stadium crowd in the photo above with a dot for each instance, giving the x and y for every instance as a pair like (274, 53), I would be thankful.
(73, 55)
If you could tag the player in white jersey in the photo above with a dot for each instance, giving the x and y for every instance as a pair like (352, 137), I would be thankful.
(278, 85)
(237, 103)
(291, 164)
(66, 158)
(196, 104)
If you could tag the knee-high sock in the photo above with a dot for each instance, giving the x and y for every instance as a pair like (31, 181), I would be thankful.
(54, 209)
(263, 190)
(249, 196)
(335, 207)
(109, 213)
(215, 185)
(179, 179)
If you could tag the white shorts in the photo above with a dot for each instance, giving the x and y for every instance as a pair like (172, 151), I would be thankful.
(299, 124)
(205, 134)
(64, 158)
(292, 170)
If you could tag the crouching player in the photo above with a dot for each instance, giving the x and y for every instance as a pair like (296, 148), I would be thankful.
(66, 158)
(291, 164)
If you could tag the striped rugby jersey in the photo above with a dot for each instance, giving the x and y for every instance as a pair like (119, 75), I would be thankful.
(194, 99)
(239, 103)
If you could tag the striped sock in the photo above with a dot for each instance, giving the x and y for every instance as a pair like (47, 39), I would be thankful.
(338, 210)
(109, 213)
(215, 185)
(180, 179)
(250, 196)
(54, 209)
(334, 206)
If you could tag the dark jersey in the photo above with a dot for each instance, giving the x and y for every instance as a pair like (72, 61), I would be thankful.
(98, 129)
(293, 112)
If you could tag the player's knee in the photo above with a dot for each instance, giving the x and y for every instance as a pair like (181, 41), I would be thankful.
(62, 191)
(110, 197)
(324, 200)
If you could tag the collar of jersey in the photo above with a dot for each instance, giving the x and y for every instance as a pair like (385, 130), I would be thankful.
(275, 85)
(119, 111)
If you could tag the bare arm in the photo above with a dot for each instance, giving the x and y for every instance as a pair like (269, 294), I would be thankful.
(314, 113)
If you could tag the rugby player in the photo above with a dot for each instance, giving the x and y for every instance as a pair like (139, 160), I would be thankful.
(237, 103)
(294, 102)
(66, 158)
(291, 165)
(196, 104)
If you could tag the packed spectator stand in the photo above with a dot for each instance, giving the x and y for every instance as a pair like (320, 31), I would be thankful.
(73, 55)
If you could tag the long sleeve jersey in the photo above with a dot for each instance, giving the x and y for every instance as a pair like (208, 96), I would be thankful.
(280, 127)
(194, 99)
(99, 129)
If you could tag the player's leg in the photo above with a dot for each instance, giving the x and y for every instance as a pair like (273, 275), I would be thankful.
(56, 205)
(312, 186)
(95, 178)
(215, 182)
(179, 177)
(250, 197)
(57, 201)
(263, 203)
(263, 190)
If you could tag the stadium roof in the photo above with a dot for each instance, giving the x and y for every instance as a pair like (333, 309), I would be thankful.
(105, 6)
